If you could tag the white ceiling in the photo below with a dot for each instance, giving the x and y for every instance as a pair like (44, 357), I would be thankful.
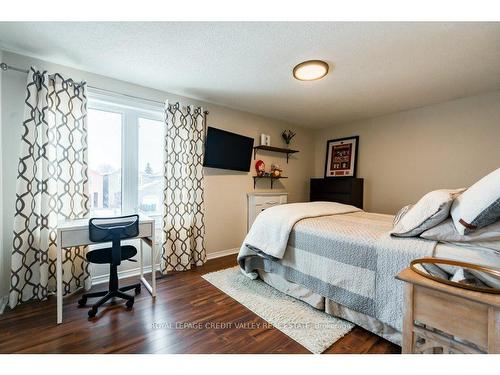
(378, 67)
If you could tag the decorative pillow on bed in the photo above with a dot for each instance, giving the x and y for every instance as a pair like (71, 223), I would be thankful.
(402, 212)
(479, 205)
(446, 232)
(433, 208)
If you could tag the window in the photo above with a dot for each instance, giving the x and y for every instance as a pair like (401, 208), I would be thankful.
(151, 168)
(125, 152)
(105, 162)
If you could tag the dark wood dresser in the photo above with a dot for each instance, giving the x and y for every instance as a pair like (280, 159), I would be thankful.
(347, 190)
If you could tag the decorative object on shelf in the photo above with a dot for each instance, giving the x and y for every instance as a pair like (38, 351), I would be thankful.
(341, 157)
(276, 170)
(262, 139)
(265, 140)
(260, 168)
(287, 136)
(459, 274)
(286, 151)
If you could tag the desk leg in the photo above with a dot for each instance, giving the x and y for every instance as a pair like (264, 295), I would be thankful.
(59, 281)
(150, 287)
(141, 259)
(153, 264)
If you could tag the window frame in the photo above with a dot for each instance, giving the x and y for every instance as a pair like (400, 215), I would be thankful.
(131, 110)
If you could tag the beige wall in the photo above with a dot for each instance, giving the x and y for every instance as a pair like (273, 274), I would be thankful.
(226, 190)
(225, 193)
(404, 155)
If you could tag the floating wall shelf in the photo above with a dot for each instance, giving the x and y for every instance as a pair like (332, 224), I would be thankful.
(286, 151)
(272, 178)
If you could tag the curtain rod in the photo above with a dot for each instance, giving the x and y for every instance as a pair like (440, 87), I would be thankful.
(4, 67)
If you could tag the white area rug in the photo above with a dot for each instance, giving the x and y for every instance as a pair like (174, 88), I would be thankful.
(311, 328)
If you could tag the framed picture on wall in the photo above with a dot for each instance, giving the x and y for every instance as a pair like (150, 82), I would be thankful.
(341, 155)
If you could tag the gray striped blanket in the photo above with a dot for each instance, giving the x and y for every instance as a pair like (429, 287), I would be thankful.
(349, 258)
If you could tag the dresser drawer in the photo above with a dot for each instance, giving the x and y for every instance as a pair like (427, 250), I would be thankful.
(465, 319)
(262, 207)
(270, 200)
(332, 185)
(346, 190)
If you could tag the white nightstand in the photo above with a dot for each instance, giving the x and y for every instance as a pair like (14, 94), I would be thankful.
(258, 202)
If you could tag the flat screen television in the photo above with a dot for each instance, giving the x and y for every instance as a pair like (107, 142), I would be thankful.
(226, 150)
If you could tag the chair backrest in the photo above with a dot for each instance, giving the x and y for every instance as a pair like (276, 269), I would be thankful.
(105, 229)
(114, 229)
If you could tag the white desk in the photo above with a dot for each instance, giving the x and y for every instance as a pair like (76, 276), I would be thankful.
(76, 233)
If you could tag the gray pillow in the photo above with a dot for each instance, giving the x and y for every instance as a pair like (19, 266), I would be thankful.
(479, 206)
(432, 209)
(447, 232)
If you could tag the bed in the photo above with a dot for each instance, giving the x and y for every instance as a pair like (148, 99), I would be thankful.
(343, 261)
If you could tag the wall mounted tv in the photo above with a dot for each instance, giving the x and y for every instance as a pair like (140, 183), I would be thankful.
(226, 150)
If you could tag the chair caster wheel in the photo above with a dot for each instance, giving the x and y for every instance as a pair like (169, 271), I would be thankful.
(138, 290)
(129, 303)
(92, 312)
(82, 302)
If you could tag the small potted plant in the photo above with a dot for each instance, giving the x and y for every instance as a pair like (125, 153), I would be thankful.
(287, 136)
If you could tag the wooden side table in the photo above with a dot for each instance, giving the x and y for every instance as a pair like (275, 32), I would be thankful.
(440, 318)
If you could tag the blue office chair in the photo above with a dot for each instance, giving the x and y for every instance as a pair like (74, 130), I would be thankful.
(112, 230)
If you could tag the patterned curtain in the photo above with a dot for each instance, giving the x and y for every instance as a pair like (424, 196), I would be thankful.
(183, 220)
(52, 185)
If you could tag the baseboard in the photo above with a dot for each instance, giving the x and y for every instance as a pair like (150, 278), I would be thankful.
(122, 274)
(222, 253)
(147, 269)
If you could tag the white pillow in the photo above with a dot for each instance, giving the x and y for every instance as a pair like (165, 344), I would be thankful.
(479, 205)
(433, 208)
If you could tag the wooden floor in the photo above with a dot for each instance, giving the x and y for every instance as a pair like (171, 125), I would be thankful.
(183, 298)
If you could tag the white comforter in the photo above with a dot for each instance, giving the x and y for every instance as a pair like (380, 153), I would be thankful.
(271, 229)
(349, 258)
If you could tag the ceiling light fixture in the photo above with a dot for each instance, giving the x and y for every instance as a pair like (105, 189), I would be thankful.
(310, 70)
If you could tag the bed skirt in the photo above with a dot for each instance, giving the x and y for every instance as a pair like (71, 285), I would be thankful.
(331, 307)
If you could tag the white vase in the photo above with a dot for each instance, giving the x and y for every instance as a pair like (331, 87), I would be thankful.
(263, 140)
(268, 140)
